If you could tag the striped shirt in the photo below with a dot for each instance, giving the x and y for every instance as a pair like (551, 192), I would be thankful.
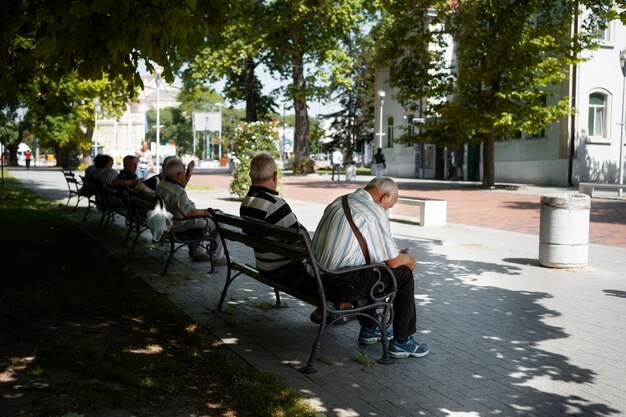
(104, 175)
(334, 241)
(264, 204)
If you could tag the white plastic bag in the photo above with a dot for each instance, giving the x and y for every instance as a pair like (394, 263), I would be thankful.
(159, 220)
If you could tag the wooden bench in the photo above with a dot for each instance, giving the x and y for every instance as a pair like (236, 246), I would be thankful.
(138, 206)
(75, 188)
(296, 244)
(433, 212)
(589, 187)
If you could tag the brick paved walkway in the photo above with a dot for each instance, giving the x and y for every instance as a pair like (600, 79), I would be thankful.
(509, 210)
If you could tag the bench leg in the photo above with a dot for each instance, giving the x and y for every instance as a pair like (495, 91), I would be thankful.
(278, 301)
(386, 318)
(77, 201)
(169, 256)
(130, 228)
(87, 211)
(309, 368)
(137, 234)
(229, 280)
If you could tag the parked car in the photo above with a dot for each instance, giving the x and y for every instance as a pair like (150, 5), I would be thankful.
(321, 161)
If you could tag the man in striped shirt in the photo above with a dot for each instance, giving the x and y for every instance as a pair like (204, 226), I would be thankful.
(263, 203)
(336, 247)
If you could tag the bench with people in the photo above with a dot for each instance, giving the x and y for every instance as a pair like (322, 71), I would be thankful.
(350, 269)
(352, 259)
(127, 195)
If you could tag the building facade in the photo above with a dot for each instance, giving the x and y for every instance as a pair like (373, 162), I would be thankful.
(123, 136)
(581, 148)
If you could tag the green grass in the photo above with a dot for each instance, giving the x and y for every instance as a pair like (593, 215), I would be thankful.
(363, 359)
(81, 323)
(200, 187)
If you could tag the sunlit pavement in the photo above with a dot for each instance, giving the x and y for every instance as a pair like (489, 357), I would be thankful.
(507, 337)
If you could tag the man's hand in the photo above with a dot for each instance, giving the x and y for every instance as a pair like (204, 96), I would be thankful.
(190, 169)
(403, 258)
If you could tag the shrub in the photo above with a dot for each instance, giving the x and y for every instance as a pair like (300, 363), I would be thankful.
(250, 140)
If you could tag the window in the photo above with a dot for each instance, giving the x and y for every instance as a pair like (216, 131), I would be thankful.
(410, 130)
(601, 30)
(596, 123)
(390, 132)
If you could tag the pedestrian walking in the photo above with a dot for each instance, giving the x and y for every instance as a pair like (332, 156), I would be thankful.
(27, 156)
(146, 165)
(379, 164)
(337, 159)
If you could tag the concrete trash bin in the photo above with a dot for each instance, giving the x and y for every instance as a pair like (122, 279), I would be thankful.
(564, 230)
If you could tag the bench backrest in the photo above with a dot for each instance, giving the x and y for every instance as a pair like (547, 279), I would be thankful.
(295, 244)
(291, 243)
(72, 182)
(142, 202)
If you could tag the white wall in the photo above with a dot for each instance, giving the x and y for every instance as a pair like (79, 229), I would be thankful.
(598, 158)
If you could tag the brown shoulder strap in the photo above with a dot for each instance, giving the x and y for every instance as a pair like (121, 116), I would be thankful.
(357, 232)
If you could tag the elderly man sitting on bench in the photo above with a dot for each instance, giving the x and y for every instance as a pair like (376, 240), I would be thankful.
(172, 191)
(264, 203)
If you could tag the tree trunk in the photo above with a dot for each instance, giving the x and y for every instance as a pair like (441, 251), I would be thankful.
(489, 161)
(250, 92)
(301, 135)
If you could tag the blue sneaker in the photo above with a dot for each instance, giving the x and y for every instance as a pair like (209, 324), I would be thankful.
(369, 336)
(412, 348)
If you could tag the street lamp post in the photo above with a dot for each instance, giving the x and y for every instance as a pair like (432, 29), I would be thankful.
(96, 109)
(381, 95)
(282, 155)
(622, 63)
(157, 78)
(219, 145)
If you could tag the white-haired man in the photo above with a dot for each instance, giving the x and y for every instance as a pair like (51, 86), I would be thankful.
(336, 247)
(172, 191)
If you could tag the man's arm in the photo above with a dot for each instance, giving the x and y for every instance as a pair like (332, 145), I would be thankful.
(125, 183)
(198, 212)
(403, 258)
(189, 172)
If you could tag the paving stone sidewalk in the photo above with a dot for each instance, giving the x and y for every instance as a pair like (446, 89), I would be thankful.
(508, 337)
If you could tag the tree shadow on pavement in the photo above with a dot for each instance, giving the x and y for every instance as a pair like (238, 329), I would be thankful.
(487, 355)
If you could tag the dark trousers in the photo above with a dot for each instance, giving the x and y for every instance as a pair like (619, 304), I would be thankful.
(294, 275)
(355, 286)
(336, 167)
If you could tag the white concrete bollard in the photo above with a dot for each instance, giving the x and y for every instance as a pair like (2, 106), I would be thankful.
(564, 230)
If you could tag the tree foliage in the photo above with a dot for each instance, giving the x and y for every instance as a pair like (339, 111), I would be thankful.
(91, 37)
(307, 47)
(176, 128)
(45, 46)
(352, 124)
(509, 56)
(234, 54)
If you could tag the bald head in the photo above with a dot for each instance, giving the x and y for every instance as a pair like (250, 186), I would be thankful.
(262, 169)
